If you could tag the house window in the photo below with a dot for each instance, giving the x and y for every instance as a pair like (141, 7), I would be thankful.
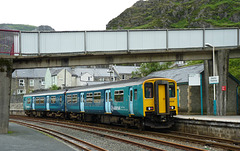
(21, 82)
(123, 77)
(21, 91)
(118, 95)
(89, 78)
(31, 82)
(43, 82)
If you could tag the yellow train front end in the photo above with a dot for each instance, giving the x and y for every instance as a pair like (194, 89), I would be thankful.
(159, 102)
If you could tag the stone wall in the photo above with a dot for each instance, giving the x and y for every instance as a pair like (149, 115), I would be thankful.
(226, 130)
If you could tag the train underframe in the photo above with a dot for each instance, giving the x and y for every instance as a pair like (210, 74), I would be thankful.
(151, 120)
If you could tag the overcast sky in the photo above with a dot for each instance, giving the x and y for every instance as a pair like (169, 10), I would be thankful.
(63, 15)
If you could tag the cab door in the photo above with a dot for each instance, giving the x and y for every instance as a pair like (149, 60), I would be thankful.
(82, 102)
(108, 101)
(131, 101)
(162, 97)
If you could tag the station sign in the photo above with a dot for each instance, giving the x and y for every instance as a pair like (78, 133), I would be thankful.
(214, 80)
(194, 79)
(224, 88)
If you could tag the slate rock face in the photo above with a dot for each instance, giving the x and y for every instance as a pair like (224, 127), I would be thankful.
(155, 14)
(44, 28)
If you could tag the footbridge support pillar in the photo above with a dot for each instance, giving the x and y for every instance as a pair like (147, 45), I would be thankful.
(222, 87)
(5, 93)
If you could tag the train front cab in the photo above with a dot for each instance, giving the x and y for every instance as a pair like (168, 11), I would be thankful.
(156, 102)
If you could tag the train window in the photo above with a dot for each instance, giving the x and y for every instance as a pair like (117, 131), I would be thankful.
(89, 98)
(53, 99)
(97, 97)
(69, 99)
(37, 100)
(135, 94)
(171, 89)
(148, 90)
(74, 98)
(28, 100)
(60, 100)
(118, 95)
(131, 95)
(110, 96)
(42, 100)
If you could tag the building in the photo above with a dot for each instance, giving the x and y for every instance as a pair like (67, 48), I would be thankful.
(80, 76)
(25, 81)
(189, 97)
(61, 77)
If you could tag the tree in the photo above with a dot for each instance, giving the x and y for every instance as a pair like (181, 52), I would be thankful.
(55, 87)
(234, 68)
(147, 68)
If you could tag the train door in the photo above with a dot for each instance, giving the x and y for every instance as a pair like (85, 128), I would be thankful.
(33, 103)
(47, 105)
(108, 101)
(162, 97)
(82, 102)
(131, 100)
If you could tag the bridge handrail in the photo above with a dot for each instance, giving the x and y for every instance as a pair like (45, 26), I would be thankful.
(37, 43)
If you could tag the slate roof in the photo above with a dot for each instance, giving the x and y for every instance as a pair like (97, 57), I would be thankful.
(55, 71)
(29, 73)
(180, 75)
(125, 69)
(97, 72)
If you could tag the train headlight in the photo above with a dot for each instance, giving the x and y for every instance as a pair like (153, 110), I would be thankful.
(172, 107)
(150, 108)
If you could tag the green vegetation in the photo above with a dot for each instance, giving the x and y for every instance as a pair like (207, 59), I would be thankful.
(147, 68)
(55, 87)
(155, 14)
(18, 27)
(10, 132)
(234, 68)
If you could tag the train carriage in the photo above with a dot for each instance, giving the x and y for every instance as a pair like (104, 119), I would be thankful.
(141, 102)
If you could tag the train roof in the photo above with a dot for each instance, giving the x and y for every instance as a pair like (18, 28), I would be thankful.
(135, 81)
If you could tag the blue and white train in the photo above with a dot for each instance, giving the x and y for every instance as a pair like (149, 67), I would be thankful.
(150, 102)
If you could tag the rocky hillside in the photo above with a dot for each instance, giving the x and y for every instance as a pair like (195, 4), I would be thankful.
(155, 14)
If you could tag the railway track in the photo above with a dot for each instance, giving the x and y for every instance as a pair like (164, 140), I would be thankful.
(65, 137)
(200, 139)
(96, 131)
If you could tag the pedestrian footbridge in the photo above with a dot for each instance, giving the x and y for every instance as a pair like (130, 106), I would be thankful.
(117, 46)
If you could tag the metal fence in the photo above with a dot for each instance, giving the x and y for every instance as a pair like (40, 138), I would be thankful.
(36, 43)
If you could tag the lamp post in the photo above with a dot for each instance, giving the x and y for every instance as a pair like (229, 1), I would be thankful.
(214, 74)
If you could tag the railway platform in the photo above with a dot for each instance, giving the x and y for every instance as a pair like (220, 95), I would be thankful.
(227, 119)
(227, 127)
(21, 138)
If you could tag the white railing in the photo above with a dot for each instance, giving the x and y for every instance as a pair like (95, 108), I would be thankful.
(125, 40)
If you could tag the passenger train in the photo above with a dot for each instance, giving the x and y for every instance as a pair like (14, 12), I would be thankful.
(145, 102)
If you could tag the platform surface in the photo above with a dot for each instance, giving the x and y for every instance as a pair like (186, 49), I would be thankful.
(22, 138)
(234, 119)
